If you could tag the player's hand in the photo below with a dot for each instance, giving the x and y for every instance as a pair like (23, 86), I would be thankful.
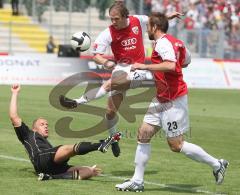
(136, 66)
(96, 170)
(15, 88)
(87, 172)
(109, 64)
(175, 15)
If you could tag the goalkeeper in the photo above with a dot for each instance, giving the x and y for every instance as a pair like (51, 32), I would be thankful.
(48, 161)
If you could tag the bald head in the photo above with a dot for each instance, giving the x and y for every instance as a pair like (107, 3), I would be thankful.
(40, 125)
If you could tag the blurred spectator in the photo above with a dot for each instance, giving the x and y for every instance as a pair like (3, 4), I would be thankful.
(61, 5)
(51, 45)
(103, 5)
(157, 6)
(136, 6)
(193, 14)
(80, 5)
(171, 7)
(28, 4)
(1, 4)
(203, 41)
(40, 8)
(213, 40)
(15, 7)
(234, 41)
(147, 7)
(189, 26)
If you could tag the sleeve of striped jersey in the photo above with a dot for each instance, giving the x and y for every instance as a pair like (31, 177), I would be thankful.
(165, 50)
(102, 42)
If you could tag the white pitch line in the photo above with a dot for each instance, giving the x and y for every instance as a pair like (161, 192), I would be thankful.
(14, 158)
(122, 178)
(167, 186)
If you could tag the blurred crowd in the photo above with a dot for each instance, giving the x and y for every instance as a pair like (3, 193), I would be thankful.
(64, 5)
(208, 24)
(211, 17)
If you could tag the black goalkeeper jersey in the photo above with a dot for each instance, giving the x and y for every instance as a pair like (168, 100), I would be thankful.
(32, 141)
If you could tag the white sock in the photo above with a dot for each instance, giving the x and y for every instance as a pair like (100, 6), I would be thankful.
(112, 125)
(91, 95)
(142, 156)
(198, 154)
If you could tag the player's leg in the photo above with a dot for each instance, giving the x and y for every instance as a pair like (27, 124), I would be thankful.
(85, 172)
(114, 102)
(145, 133)
(149, 127)
(64, 152)
(142, 155)
(73, 173)
(117, 82)
(65, 175)
(175, 122)
(94, 94)
(90, 95)
(196, 153)
(122, 79)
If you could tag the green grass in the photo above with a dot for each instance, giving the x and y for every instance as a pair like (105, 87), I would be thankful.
(215, 119)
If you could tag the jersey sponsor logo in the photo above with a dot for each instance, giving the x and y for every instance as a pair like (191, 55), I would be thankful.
(131, 47)
(135, 30)
(128, 42)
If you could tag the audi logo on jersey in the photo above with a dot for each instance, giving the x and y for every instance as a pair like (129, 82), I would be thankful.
(128, 42)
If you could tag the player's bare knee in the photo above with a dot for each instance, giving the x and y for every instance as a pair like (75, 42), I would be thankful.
(175, 147)
(143, 135)
(110, 114)
(175, 143)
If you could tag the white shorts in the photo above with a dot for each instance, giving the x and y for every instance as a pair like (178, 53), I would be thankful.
(172, 116)
(136, 77)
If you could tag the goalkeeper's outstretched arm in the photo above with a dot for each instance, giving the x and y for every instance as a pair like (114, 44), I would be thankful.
(13, 114)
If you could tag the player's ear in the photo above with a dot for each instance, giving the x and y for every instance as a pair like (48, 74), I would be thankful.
(154, 27)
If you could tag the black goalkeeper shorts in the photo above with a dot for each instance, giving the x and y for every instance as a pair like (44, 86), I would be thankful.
(45, 163)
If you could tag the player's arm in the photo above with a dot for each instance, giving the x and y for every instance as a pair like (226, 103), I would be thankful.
(165, 50)
(165, 66)
(144, 18)
(13, 114)
(174, 15)
(101, 44)
(107, 64)
(188, 59)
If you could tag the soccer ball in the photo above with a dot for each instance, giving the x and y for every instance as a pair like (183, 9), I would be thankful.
(80, 41)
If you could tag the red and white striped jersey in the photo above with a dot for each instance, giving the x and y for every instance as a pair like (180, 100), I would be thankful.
(170, 85)
(126, 44)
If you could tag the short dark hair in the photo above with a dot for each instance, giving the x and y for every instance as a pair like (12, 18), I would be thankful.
(159, 20)
(121, 8)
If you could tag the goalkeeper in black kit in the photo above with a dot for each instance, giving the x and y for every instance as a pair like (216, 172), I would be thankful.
(52, 162)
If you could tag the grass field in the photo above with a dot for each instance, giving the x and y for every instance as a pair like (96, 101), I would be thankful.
(215, 125)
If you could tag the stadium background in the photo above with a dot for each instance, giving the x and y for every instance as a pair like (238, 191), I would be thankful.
(210, 29)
